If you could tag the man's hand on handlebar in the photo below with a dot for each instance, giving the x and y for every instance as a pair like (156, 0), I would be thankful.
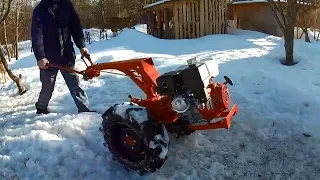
(43, 63)
(84, 52)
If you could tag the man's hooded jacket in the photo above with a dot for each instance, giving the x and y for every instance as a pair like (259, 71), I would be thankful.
(53, 24)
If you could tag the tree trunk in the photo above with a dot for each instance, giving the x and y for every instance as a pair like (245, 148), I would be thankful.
(17, 30)
(16, 79)
(288, 44)
(305, 24)
(306, 35)
(6, 40)
(9, 52)
(16, 51)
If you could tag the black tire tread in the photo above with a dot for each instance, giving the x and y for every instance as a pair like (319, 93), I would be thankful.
(147, 131)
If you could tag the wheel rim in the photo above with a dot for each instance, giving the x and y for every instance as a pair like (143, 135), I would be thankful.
(128, 143)
(131, 141)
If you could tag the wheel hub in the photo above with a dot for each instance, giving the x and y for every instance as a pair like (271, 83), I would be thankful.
(130, 140)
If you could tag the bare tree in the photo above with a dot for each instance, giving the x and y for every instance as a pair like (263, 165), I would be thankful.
(285, 12)
(17, 17)
(5, 35)
(16, 27)
(5, 6)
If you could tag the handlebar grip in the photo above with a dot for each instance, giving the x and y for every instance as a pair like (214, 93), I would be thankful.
(86, 55)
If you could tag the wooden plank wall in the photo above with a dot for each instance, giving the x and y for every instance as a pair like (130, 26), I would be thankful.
(161, 24)
(197, 18)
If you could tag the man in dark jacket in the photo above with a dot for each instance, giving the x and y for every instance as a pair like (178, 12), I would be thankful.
(53, 24)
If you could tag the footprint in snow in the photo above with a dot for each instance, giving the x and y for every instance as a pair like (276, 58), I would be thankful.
(306, 104)
(316, 83)
(258, 93)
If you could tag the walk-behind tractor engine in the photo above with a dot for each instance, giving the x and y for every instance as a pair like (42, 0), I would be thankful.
(180, 102)
(188, 89)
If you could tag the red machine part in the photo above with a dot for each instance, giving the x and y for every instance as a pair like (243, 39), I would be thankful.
(220, 100)
(220, 96)
(144, 74)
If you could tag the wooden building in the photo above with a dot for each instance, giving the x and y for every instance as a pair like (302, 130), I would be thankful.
(257, 16)
(186, 19)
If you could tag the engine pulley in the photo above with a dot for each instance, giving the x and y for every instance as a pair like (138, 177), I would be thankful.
(180, 104)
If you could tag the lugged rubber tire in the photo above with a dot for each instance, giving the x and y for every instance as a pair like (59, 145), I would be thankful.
(152, 139)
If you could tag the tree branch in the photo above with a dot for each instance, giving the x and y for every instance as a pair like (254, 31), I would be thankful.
(5, 11)
(274, 10)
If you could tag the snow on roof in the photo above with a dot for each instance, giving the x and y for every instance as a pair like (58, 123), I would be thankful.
(156, 3)
(249, 1)
(263, 1)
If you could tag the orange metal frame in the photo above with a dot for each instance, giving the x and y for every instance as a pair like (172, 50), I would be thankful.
(143, 72)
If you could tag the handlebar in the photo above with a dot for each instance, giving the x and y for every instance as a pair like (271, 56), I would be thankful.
(89, 73)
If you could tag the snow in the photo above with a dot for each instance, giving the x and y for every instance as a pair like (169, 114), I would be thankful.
(140, 115)
(274, 136)
(165, 139)
(249, 1)
(164, 150)
(156, 3)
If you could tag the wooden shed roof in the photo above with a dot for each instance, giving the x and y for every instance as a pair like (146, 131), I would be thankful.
(235, 2)
(167, 3)
(249, 1)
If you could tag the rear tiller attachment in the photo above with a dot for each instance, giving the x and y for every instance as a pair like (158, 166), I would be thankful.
(180, 101)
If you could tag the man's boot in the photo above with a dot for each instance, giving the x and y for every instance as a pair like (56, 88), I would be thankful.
(42, 110)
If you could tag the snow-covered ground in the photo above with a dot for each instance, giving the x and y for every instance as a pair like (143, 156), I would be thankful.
(275, 135)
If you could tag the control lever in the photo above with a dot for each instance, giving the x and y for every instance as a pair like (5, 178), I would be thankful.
(228, 80)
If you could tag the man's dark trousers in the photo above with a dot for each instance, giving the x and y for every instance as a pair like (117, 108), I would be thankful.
(48, 79)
